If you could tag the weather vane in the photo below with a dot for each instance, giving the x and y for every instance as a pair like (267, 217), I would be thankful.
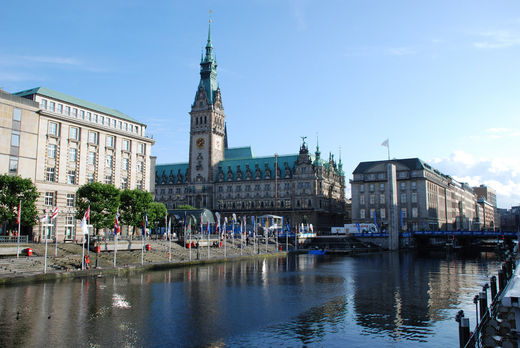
(210, 12)
(303, 139)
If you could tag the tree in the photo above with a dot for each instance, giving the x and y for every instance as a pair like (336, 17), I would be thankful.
(133, 206)
(103, 200)
(156, 213)
(12, 190)
(185, 207)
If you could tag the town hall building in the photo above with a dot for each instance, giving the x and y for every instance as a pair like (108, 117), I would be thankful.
(303, 187)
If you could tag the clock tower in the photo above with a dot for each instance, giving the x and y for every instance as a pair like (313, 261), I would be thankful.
(207, 131)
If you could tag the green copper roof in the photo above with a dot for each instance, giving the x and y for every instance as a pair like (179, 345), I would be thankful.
(173, 169)
(238, 153)
(76, 101)
(208, 71)
(253, 162)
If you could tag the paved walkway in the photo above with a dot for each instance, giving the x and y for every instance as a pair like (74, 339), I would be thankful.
(69, 257)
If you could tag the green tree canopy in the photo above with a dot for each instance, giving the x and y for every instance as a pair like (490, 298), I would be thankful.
(103, 199)
(12, 190)
(185, 207)
(133, 206)
(155, 214)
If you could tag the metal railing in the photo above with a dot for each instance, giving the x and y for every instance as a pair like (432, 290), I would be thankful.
(13, 239)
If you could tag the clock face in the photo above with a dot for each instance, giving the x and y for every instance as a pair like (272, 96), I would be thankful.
(200, 142)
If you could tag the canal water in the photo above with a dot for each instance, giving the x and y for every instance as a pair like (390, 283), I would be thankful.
(373, 300)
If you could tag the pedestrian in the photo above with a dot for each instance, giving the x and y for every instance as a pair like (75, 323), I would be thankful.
(87, 262)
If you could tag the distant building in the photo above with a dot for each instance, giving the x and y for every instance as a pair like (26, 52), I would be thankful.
(301, 187)
(489, 195)
(427, 199)
(62, 142)
(510, 219)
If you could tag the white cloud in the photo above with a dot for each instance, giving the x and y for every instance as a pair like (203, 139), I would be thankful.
(400, 51)
(497, 39)
(499, 173)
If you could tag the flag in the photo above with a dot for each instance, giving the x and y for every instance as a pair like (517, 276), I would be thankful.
(117, 228)
(218, 221)
(234, 217)
(166, 219)
(146, 218)
(185, 220)
(385, 143)
(144, 227)
(169, 227)
(87, 213)
(19, 212)
(207, 223)
(375, 218)
(44, 218)
(54, 213)
(84, 227)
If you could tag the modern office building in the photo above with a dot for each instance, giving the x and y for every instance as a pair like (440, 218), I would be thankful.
(302, 187)
(426, 198)
(65, 142)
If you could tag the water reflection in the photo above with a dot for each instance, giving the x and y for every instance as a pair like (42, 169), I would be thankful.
(304, 300)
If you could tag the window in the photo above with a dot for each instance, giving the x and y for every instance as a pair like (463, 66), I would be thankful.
(371, 187)
(70, 200)
(49, 199)
(403, 198)
(126, 126)
(381, 187)
(362, 200)
(13, 165)
(92, 158)
(140, 166)
(137, 129)
(102, 119)
(82, 114)
(109, 161)
(110, 141)
(60, 108)
(74, 112)
(15, 138)
(139, 184)
(403, 213)
(382, 211)
(141, 148)
(73, 133)
(124, 183)
(126, 145)
(381, 198)
(131, 128)
(71, 177)
(414, 197)
(402, 185)
(372, 199)
(372, 214)
(52, 106)
(51, 151)
(95, 118)
(69, 227)
(53, 129)
(89, 116)
(414, 185)
(17, 114)
(90, 178)
(108, 179)
(362, 214)
(381, 176)
(73, 155)
(114, 123)
(361, 188)
(93, 138)
(415, 212)
(44, 104)
(67, 110)
(49, 174)
(125, 163)
(120, 124)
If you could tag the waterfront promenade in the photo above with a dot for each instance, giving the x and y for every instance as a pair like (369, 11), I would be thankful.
(68, 261)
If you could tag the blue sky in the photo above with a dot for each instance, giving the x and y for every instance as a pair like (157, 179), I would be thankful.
(440, 79)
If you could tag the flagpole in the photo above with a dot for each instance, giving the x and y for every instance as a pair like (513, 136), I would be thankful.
(56, 238)
(170, 240)
(189, 245)
(19, 220)
(388, 149)
(45, 262)
(241, 237)
(225, 240)
(208, 238)
(115, 250)
(88, 232)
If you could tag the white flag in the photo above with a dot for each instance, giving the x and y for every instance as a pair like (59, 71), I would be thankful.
(43, 219)
(385, 143)
(84, 226)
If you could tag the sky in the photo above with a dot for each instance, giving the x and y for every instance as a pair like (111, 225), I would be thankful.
(439, 79)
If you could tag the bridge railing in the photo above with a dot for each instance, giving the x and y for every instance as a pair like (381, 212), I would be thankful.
(13, 239)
